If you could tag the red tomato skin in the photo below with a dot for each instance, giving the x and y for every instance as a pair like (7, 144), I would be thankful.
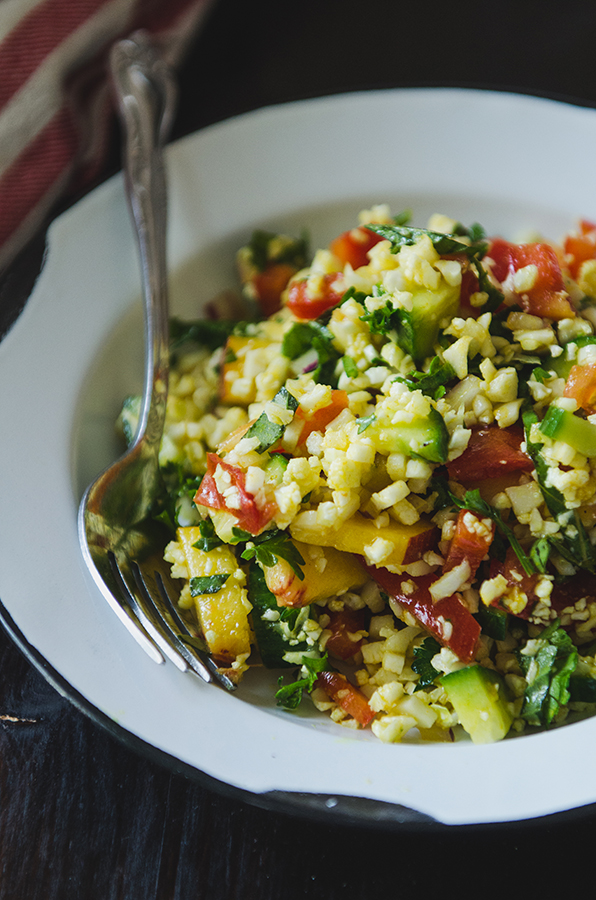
(352, 246)
(491, 452)
(347, 697)
(305, 307)
(469, 544)
(250, 517)
(548, 296)
(581, 386)
(322, 417)
(465, 630)
(270, 284)
(341, 624)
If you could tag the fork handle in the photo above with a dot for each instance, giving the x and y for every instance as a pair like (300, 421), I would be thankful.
(145, 93)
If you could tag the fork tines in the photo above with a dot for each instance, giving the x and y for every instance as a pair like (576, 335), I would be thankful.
(151, 604)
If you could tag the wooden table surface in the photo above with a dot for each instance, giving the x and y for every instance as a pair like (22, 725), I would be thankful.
(82, 815)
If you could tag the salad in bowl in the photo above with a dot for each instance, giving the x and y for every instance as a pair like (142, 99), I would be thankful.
(379, 477)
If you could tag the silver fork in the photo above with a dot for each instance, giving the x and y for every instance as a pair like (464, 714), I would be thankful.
(122, 545)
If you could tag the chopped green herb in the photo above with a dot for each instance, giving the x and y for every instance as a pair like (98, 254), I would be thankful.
(207, 584)
(272, 545)
(540, 374)
(547, 672)
(422, 664)
(540, 553)
(386, 318)
(304, 336)
(431, 382)
(405, 235)
(289, 695)
(209, 539)
(365, 422)
(268, 432)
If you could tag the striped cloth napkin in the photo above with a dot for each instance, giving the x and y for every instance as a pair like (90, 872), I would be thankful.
(56, 111)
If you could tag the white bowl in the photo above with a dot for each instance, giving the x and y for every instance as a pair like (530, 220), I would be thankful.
(512, 163)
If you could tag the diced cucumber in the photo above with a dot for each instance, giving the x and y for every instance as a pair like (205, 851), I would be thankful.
(563, 363)
(419, 329)
(563, 425)
(275, 468)
(425, 438)
(480, 700)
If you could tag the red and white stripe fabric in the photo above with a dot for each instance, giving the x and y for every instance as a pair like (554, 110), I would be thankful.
(55, 104)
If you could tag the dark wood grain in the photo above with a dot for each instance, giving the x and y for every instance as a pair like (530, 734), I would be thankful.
(83, 816)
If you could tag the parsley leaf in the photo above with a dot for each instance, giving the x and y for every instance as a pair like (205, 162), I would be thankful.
(268, 432)
(432, 382)
(547, 672)
(406, 235)
(207, 584)
(209, 539)
(304, 336)
(388, 318)
(272, 545)
(289, 695)
(422, 664)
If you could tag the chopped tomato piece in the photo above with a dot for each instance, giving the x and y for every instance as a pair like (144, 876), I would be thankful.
(580, 246)
(471, 541)
(241, 504)
(270, 284)
(581, 386)
(448, 620)
(319, 420)
(347, 697)
(342, 624)
(352, 246)
(547, 296)
(305, 306)
(491, 452)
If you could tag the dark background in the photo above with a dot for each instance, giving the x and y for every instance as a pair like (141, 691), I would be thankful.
(83, 816)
